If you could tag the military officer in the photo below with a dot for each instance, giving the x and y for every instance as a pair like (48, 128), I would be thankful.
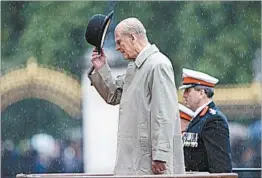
(206, 140)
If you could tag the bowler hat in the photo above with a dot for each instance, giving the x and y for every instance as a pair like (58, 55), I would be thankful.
(97, 28)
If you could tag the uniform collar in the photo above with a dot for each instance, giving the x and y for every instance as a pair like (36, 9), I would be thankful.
(200, 109)
(205, 108)
(144, 54)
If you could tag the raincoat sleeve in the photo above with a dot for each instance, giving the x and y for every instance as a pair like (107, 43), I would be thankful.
(110, 89)
(163, 111)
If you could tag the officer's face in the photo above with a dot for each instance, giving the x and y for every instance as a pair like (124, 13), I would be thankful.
(192, 98)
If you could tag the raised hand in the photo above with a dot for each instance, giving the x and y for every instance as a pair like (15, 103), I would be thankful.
(98, 60)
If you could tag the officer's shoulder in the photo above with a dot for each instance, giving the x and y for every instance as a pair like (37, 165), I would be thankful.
(215, 113)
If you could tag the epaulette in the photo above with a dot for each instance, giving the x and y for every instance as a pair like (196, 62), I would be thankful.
(212, 111)
(204, 111)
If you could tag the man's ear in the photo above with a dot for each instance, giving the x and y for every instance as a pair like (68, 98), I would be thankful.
(202, 91)
(133, 37)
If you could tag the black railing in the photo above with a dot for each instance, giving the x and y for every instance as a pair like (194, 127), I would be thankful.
(247, 169)
(248, 172)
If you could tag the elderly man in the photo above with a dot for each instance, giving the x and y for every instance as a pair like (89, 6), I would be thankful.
(206, 140)
(149, 123)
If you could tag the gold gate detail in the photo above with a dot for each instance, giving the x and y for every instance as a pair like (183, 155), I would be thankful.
(36, 81)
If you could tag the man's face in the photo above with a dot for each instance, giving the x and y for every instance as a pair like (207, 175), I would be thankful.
(125, 44)
(192, 98)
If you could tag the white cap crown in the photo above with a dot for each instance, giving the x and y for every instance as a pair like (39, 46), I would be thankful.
(191, 78)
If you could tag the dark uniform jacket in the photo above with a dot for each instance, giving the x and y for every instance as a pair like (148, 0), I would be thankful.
(206, 142)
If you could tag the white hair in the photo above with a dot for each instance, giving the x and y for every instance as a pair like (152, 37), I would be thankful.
(133, 26)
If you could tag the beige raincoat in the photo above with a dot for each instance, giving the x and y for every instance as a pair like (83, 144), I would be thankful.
(149, 124)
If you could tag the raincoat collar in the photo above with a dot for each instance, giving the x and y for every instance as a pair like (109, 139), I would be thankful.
(144, 54)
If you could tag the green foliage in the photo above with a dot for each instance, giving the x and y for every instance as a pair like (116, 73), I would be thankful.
(216, 37)
(53, 33)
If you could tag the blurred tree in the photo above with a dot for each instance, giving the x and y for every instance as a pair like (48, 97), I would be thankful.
(219, 38)
(53, 32)
(12, 26)
(216, 37)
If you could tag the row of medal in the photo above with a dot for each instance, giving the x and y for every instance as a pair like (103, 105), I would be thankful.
(190, 139)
